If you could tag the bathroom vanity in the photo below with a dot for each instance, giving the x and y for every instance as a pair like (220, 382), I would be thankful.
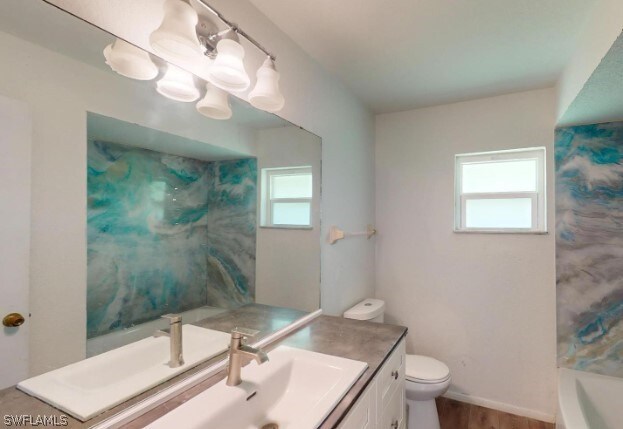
(375, 400)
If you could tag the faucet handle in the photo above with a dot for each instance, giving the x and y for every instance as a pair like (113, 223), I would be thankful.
(239, 332)
(173, 318)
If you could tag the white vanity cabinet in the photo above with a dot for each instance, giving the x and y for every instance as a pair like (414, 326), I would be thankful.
(382, 405)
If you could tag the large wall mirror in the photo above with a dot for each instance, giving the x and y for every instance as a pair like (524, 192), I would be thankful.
(141, 207)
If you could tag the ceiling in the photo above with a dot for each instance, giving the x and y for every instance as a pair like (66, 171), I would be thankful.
(404, 54)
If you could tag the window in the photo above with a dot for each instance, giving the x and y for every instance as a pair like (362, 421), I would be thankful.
(287, 197)
(501, 191)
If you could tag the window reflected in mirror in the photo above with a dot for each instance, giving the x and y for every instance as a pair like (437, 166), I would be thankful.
(287, 196)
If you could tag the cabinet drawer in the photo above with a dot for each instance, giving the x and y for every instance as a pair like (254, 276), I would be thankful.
(393, 415)
(391, 376)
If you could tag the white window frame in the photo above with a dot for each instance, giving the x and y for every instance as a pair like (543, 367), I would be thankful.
(268, 201)
(539, 198)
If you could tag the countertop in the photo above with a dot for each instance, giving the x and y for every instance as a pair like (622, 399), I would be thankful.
(264, 318)
(363, 341)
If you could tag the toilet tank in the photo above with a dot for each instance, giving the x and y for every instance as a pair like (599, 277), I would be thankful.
(369, 309)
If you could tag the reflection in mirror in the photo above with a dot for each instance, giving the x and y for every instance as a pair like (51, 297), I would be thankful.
(166, 233)
(216, 221)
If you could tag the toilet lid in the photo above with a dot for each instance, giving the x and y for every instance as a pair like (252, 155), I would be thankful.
(426, 369)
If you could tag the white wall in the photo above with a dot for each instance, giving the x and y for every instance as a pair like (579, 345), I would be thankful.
(288, 260)
(484, 304)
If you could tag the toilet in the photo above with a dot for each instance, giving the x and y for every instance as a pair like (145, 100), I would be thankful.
(426, 377)
(372, 310)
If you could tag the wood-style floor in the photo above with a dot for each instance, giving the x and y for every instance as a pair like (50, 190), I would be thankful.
(459, 415)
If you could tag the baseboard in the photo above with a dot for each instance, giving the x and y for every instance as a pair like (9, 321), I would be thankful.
(501, 406)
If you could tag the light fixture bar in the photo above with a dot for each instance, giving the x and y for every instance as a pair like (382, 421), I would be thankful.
(236, 29)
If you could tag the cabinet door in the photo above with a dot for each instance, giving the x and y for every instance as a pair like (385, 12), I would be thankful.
(362, 415)
(393, 416)
(391, 377)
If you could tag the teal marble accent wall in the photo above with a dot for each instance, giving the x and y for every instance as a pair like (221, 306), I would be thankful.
(232, 199)
(589, 247)
(148, 235)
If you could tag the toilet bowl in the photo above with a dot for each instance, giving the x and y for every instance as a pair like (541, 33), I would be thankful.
(426, 379)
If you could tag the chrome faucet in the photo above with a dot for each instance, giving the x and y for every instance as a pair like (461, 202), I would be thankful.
(175, 334)
(237, 349)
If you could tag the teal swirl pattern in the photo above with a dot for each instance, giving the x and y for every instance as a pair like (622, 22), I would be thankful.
(149, 248)
(589, 247)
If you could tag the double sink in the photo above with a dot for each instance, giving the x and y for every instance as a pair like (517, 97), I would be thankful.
(295, 388)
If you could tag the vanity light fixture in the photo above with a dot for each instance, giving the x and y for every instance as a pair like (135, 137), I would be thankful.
(178, 85)
(130, 61)
(181, 38)
(176, 38)
(266, 94)
(215, 104)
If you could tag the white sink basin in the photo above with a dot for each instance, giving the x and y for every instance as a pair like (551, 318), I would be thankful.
(89, 387)
(294, 389)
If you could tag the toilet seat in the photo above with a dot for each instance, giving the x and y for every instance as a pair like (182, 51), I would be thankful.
(425, 370)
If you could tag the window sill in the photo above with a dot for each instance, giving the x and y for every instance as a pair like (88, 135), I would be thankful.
(294, 227)
(499, 231)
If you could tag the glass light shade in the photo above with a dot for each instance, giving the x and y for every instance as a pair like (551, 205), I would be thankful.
(215, 104)
(266, 94)
(130, 61)
(178, 85)
(176, 38)
(227, 71)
